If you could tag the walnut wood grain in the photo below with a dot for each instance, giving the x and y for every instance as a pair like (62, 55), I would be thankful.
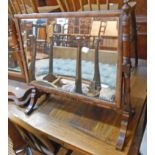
(110, 13)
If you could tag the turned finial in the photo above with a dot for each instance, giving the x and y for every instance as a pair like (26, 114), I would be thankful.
(126, 6)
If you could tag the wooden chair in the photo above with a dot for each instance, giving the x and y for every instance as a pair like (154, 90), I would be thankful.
(66, 5)
(22, 6)
(29, 6)
(61, 5)
(41, 35)
(48, 6)
(115, 5)
(110, 36)
(95, 31)
(105, 5)
(41, 41)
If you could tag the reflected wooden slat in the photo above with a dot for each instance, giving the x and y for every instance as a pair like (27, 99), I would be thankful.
(111, 29)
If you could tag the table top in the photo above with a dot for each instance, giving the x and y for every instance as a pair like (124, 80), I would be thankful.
(85, 128)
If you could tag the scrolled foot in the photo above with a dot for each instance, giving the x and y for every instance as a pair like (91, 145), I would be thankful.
(122, 135)
(33, 101)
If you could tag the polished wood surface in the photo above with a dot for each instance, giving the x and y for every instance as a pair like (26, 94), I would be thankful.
(141, 8)
(81, 127)
(142, 36)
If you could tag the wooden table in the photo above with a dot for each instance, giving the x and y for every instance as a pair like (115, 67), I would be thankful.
(84, 128)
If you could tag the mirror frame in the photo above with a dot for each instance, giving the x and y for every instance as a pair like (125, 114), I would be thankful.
(23, 74)
(112, 15)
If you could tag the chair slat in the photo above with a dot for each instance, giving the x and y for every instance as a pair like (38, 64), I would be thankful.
(18, 6)
(10, 10)
(74, 7)
(14, 7)
(81, 5)
(23, 3)
(60, 5)
(107, 3)
(66, 4)
(89, 3)
(98, 4)
(34, 6)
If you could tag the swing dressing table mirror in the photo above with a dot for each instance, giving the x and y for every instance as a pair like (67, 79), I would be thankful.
(67, 56)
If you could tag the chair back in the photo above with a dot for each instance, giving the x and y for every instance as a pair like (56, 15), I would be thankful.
(22, 7)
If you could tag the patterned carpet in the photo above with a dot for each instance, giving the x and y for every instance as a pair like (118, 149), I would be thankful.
(12, 152)
(68, 67)
(10, 147)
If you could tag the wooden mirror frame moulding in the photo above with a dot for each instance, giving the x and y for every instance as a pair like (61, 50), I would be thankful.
(111, 15)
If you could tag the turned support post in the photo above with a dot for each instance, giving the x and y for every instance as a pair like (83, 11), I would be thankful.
(126, 49)
(78, 81)
(51, 56)
(50, 77)
(96, 78)
(134, 36)
(33, 57)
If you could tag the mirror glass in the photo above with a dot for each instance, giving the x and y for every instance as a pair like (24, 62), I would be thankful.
(76, 54)
(13, 61)
(14, 56)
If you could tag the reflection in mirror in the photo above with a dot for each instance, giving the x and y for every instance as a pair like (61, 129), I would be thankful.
(14, 56)
(77, 55)
(13, 63)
